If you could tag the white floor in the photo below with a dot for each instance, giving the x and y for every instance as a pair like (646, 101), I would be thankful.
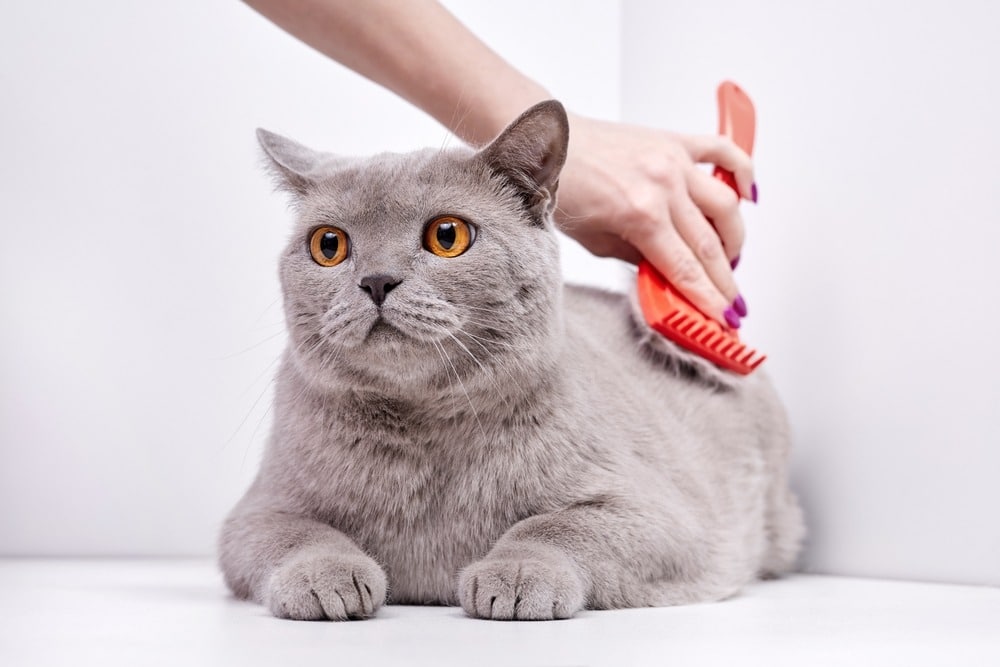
(177, 612)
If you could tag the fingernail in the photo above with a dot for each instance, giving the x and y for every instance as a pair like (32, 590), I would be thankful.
(753, 193)
(735, 262)
(732, 319)
(740, 306)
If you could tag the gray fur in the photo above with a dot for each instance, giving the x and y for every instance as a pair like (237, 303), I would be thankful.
(520, 447)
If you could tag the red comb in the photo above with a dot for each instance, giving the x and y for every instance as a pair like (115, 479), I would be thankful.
(665, 309)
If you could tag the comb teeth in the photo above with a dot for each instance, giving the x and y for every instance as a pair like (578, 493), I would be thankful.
(674, 317)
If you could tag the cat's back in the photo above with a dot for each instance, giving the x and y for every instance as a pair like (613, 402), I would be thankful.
(608, 326)
(623, 363)
(601, 325)
(599, 314)
(607, 357)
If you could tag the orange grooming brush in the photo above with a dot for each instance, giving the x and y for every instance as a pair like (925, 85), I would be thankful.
(673, 315)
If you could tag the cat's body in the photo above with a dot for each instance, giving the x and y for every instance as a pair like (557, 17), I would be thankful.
(544, 444)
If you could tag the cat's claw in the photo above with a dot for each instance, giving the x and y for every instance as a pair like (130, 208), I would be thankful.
(526, 589)
(337, 587)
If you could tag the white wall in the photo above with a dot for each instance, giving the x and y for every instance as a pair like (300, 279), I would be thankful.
(871, 269)
(140, 315)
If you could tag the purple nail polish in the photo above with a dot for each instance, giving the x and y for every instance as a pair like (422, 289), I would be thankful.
(753, 193)
(735, 262)
(732, 319)
(740, 306)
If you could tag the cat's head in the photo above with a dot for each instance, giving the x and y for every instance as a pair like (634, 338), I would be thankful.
(414, 270)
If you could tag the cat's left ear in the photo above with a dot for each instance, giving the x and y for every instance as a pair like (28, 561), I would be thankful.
(530, 153)
(295, 167)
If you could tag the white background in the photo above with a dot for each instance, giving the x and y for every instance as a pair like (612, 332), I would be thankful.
(140, 320)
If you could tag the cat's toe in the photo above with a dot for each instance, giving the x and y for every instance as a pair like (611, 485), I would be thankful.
(520, 589)
(324, 586)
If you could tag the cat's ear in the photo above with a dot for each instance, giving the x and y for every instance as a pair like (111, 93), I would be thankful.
(295, 167)
(531, 152)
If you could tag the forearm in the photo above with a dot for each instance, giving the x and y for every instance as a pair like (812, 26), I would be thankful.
(418, 50)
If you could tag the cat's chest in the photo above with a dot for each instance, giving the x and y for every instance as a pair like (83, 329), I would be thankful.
(416, 480)
(423, 512)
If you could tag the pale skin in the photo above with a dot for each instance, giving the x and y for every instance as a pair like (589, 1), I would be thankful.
(626, 191)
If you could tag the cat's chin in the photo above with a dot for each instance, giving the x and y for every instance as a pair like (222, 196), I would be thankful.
(381, 369)
(387, 337)
(382, 356)
(382, 333)
(378, 334)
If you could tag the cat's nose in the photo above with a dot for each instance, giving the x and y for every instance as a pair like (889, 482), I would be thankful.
(378, 286)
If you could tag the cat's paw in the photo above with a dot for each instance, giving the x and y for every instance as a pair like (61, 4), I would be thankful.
(527, 589)
(316, 586)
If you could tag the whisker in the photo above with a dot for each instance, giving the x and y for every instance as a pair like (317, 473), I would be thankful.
(247, 415)
(487, 350)
(260, 375)
(501, 394)
(493, 342)
(456, 125)
(253, 435)
(254, 346)
(467, 351)
(462, 385)
(488, 310)
(266, 308)
(498, 343)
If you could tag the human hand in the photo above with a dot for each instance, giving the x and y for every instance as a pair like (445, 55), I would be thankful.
(634, 192)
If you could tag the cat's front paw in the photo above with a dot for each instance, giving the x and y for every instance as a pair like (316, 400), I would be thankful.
(316, 586)
(526, 589)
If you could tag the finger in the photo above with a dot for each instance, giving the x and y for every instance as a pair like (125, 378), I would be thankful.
(704, 243)
(721, 206)
(664, 248)
(722, 151)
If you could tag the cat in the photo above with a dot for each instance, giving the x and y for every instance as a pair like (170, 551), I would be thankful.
(453, 425)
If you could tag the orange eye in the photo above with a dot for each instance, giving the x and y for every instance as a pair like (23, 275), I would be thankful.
(448, 236)
(328, 246)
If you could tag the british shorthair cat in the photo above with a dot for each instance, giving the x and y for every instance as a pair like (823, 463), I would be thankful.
(454, 425)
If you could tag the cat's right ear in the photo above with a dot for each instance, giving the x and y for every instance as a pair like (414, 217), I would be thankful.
(295, 167)
(530, 153)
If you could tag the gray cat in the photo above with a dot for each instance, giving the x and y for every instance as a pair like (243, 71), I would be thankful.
(454, 425)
